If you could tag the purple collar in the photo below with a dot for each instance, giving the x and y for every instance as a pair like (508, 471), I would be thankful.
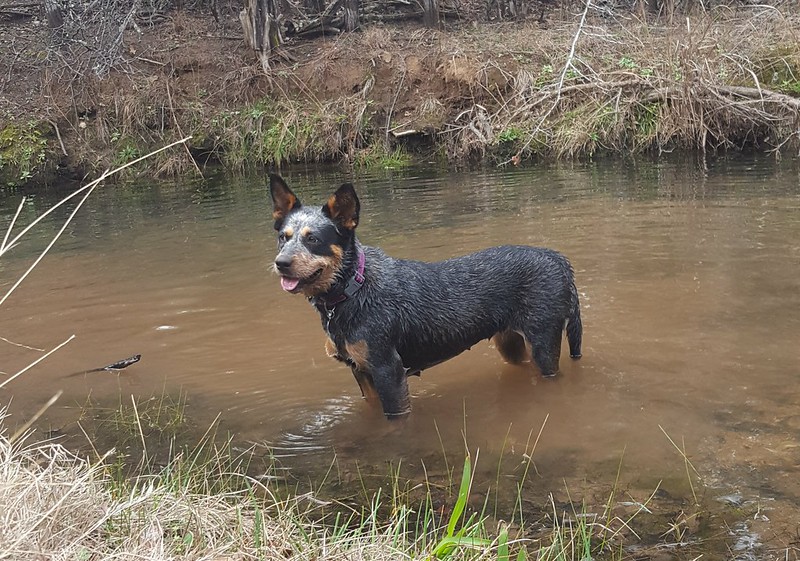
(355, 282)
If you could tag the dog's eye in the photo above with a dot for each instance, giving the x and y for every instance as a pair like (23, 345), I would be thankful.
(311, 238)
(281, 237)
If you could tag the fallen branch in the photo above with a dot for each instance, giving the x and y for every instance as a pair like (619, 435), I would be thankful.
(754, 94)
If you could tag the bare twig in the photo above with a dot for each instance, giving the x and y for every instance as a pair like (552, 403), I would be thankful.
(87, 189)
(180, 131)
(391, 109)
(49, 245)
(92, 185)
(11, 226)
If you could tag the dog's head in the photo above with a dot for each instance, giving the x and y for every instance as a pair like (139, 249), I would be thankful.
(312, 242)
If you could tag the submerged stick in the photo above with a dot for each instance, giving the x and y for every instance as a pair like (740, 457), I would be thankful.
(113, 367)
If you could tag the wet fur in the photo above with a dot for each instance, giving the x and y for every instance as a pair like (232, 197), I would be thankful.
(410, 315)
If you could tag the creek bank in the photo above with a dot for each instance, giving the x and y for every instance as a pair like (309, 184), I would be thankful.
(503, 93)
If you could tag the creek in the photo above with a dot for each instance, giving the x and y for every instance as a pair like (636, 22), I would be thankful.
(689, 277)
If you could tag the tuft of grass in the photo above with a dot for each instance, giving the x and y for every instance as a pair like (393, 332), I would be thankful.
(152, 421)
(376, 156)
(276, 131)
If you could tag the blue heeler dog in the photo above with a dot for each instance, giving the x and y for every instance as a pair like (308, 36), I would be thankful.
(390, 318)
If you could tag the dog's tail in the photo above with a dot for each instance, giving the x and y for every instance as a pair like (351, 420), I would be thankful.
(574, 325)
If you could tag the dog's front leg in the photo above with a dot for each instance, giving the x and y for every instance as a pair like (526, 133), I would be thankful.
(377, 368)
(366, 384)
(391, 383)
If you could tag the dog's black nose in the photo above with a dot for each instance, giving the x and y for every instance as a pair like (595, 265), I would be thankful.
(283, 262)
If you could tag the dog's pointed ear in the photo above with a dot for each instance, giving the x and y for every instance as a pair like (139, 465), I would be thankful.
(283, 200)
(343, 207)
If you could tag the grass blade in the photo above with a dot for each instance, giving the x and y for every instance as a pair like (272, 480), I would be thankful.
(463, 495)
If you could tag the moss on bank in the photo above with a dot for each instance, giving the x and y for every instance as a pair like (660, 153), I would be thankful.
(26, 151)
(503, 93)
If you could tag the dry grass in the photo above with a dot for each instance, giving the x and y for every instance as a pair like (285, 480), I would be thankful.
(713, 83)
(57, 505)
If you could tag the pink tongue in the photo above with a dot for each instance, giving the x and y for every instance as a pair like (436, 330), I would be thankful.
(289, 284)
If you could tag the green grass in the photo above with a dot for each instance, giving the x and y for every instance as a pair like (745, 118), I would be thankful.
(378, 157)
(276, 131)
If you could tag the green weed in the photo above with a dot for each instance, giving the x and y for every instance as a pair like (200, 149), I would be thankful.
(461, 531)
(646, 123)
(511, 134)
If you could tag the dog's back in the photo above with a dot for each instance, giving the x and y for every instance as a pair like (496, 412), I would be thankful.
(437, 310)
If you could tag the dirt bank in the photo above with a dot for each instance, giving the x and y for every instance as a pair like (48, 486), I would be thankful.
(566, 85)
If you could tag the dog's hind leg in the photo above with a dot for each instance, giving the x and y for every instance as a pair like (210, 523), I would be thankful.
(511, 346)
(546, 348)
(574, 325)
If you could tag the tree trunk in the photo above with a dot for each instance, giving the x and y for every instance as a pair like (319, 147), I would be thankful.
(262, 33)
(350, 15)
(430, 13)
(53, 12)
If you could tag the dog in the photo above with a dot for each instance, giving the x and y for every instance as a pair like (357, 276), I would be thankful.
(389, 319)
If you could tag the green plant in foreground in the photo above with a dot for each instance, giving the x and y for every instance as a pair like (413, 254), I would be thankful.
(469, 533)
(790, 87)
(647, 118)
(126, 153)
(511, 134)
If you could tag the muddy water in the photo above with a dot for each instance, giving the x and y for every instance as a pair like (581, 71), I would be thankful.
(690, 286)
